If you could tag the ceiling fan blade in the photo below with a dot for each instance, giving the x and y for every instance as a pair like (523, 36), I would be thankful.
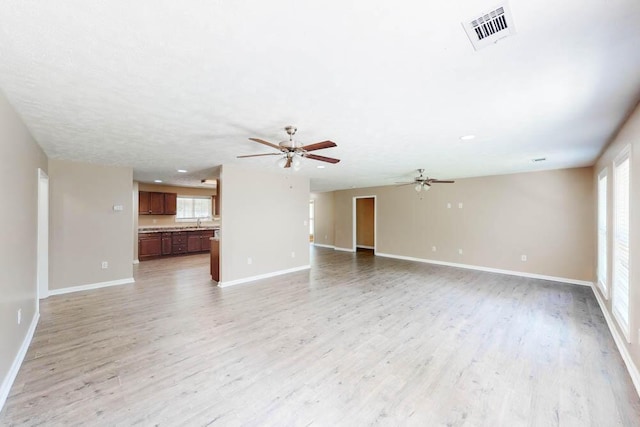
(258, 155)
(437, 181)
(262, 141)
(319, 146)
(289, 161)
(404, 183)
(321, 158)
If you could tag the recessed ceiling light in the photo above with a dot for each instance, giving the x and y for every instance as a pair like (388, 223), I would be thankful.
(320, 167)
(467, 137)
(540, 159)
(182, 171)
(157, 180)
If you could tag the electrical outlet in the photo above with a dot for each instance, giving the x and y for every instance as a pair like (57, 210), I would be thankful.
(249, 261)
(293, 254)
(155, 221)
(448, 205)
(305, 222)
(118, 208)
(523, 257)
(105, 265)
(459, 251)
(460, 205)
(19, 316)
(433, 248)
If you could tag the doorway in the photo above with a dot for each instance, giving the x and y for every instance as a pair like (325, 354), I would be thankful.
(311, 221)
(364, 223)
(42, 255)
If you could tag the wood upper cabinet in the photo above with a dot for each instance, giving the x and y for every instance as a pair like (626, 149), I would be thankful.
(143, 203)
(156, 203)
(170, 203)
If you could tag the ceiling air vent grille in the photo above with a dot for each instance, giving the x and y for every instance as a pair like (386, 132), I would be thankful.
(489, 27)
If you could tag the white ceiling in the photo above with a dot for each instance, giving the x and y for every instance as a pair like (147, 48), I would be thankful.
(163, 85)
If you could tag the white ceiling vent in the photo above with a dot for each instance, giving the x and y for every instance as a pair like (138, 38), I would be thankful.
(489, 27)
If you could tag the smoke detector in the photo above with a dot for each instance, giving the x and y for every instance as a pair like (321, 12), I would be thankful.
(487, 28)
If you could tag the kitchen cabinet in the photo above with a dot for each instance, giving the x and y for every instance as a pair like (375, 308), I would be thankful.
(194, 241)
(149, 245)
(215, 260)
(156, 203)
(179, 242)
(198, 241)
(205, 241)
(167, 243)
(170, 203)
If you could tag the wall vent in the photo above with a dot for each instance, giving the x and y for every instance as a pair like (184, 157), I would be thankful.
(489, 27)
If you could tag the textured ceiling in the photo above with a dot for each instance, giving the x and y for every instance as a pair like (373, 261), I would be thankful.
(161, 86)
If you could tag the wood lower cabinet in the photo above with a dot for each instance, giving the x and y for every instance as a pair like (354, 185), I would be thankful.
(166, 243)
(215, 260)
(205, 241)
(154, 245)
(149, 245)
(179, 242)
(194, 241)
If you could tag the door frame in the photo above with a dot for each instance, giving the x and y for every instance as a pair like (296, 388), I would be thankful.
(355, 221)
(42, 251)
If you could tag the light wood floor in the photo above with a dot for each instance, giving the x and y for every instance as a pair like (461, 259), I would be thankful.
(356, 341)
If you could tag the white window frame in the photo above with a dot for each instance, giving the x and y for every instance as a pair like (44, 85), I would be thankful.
(194, 218)
(603, 233)
(622, 318)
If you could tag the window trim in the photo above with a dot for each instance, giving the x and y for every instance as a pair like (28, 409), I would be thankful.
(604, 287)
(195, 219)
(625, 327)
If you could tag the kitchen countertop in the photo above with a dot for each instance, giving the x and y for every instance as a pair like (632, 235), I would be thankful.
(168, 229)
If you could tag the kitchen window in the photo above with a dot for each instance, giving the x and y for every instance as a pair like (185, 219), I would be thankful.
(190, 208)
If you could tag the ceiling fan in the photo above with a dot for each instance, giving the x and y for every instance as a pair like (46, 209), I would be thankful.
(292, 151)
(423, 183)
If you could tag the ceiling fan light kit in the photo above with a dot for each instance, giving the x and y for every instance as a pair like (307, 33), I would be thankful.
(423, 183)
(293, 152)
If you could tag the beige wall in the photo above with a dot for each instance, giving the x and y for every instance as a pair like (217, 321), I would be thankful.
(546, 216)
(365, 230)
(165, 220)
(629, 135)
(323, 216)
(20, 158)
(84, 229)
(265, 217)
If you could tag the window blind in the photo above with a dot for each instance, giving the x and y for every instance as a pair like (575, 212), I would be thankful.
(602, 231)
(620, 284)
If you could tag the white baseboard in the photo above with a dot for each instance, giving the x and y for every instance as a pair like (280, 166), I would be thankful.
(490, 270)
(365, 247)
(620, 342)
(8, 380)
(91, 286)
(320, 245)
(262, 276)
(136, 261)
(344, 249)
